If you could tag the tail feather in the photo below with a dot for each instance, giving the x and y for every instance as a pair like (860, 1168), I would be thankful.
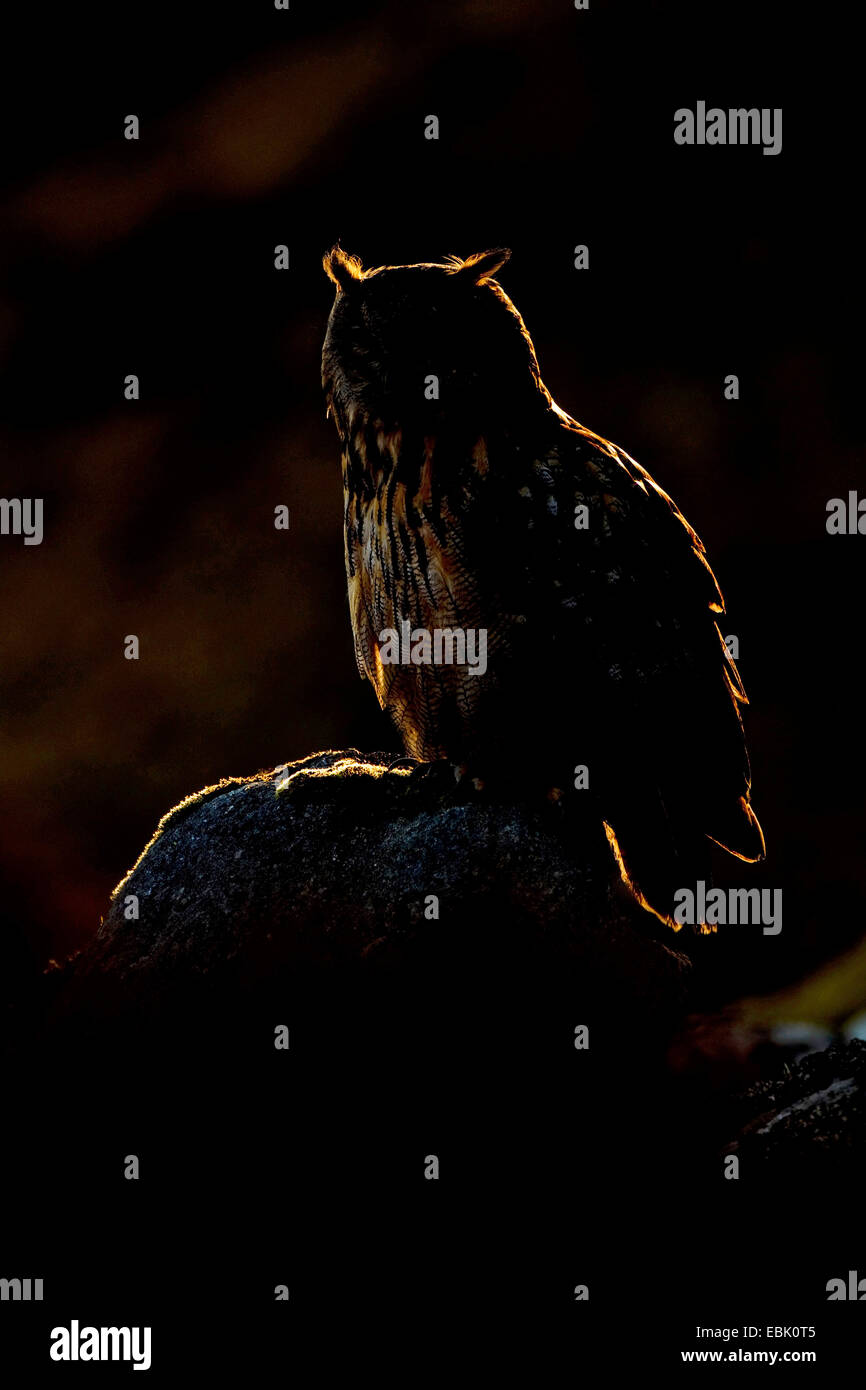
(658, 855)
(740, 833)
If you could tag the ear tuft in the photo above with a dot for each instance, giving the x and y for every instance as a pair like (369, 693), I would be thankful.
(342, 268)
(482, 266)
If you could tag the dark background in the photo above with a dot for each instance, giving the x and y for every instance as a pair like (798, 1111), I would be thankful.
(261, 127)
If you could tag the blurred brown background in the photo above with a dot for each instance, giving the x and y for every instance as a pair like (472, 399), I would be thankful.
(155, 257)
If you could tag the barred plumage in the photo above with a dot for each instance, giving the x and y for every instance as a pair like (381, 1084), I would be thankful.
(460, 512)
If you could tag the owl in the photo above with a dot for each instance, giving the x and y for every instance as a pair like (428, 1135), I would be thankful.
(476, 508)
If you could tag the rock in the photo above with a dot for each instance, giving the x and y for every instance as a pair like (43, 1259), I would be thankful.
(811, 1115)
(303, 898)
(343, 864)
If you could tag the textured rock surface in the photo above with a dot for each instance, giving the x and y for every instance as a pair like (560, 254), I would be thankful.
(809, 1113)
(330, 862)
(298, 897)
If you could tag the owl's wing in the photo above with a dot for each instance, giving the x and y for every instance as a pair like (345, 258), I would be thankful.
(645, 603)
(362, 624)
(358, 572)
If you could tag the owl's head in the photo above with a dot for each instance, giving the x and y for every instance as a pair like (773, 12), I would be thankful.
(435, 345)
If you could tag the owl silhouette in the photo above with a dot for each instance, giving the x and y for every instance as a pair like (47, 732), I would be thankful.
(474, 504)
